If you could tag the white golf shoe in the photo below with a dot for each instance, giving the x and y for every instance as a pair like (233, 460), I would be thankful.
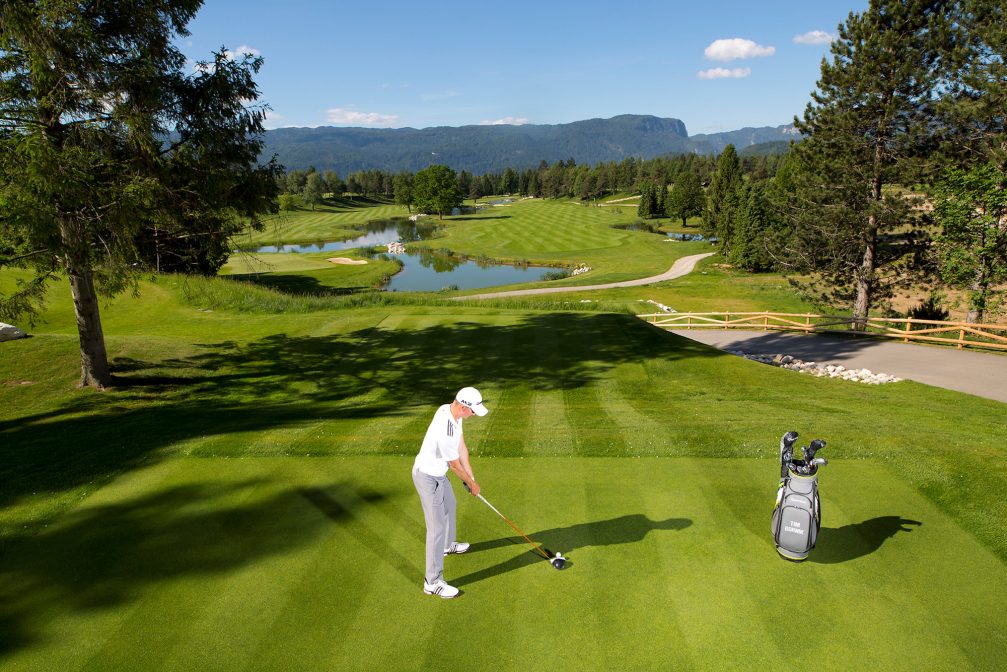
(440, 588)
(456, 547)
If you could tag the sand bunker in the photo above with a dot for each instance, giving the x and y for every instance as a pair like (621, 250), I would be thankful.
(345, 260)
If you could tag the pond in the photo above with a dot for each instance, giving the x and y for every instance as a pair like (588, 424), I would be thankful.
(423, 270)
(691, 236)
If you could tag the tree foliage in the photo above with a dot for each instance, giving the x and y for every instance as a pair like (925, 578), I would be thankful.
(435, 189)
(653, 200)
(113, 157)
(868, 128)
(687, 197)
(971, 208)
(722, 198)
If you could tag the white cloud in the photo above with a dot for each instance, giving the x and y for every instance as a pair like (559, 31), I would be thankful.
(721, 73)
(339, 115)
(735, 48)
(814, 37)
(245, 50)
(208, 66)
(509, 121)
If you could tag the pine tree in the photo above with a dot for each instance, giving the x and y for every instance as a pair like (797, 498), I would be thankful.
(721, 198)
(870, 116)
(111, 147)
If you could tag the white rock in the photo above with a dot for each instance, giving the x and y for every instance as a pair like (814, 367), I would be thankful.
(8, 332)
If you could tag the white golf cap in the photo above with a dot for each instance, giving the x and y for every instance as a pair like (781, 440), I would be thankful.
(469, 396)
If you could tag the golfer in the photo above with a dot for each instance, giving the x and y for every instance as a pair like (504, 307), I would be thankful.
(443, 448)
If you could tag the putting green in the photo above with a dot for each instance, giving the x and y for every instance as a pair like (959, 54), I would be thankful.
(315, 563)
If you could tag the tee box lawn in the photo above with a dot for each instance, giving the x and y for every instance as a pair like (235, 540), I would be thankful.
(243, 500)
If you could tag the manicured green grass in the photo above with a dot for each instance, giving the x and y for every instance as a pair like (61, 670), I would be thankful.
(329, 221)
(713, 286)
(565, 232)
(316, 563)
(536, 231)
(241, 500)
(310, 272)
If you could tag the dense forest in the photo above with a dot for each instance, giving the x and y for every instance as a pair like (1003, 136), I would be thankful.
(487, 149)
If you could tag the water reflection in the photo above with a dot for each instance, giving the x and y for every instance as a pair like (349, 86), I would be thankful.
(692, 236)
(438, 263)
(422, 270)
(374, 234)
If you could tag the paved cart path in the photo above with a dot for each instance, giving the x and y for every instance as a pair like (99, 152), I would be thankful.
(980, 373)
(681, 267)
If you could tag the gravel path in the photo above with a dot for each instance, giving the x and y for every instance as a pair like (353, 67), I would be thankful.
(983, 374)
(681, 267)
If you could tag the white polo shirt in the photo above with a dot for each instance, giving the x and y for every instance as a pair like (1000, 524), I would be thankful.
(440, 445)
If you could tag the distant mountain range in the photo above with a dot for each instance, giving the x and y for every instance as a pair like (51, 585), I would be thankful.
(483, 149)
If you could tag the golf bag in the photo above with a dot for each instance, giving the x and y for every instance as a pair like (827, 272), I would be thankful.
(797, 516)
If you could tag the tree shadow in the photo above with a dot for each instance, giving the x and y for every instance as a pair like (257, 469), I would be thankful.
(294, 283)
(104, 556)
(850, 542)
(808, 347)
(282, 380)
(626, 529)
(329, 502)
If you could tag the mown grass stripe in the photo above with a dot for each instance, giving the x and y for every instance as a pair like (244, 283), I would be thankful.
(594, 428)
(317, 624)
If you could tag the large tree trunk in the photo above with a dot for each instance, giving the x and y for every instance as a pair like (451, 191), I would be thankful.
(865, 274)
(94, 371)
(980, 287)
(865, 282)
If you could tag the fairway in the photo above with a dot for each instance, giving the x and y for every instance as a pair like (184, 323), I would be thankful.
(241, 500)
(316, 564)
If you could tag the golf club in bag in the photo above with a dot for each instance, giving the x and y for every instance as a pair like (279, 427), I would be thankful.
(797, 516)
(555, 559)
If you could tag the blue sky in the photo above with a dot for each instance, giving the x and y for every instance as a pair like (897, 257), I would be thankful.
(717, 65)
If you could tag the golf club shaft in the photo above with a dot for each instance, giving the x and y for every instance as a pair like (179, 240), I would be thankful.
(516, 529)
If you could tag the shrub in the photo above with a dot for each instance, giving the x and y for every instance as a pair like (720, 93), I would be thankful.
(931, 308)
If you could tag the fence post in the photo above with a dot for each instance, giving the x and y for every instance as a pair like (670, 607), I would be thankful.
(765, 322)
(908, 326)
(727, 318)
(961, 339)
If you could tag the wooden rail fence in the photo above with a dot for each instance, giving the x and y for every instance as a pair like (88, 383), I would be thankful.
(959, 334)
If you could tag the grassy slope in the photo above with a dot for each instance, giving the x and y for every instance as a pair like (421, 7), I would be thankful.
(329, 221)
(189, 517)
(531, 231)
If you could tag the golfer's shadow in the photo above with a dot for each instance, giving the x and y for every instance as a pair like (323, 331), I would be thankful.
(859, 539)
(567, 540)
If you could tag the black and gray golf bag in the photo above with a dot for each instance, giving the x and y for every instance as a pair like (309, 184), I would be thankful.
(798, 513)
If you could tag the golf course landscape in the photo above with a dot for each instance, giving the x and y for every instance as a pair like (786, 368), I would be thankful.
(241, 498)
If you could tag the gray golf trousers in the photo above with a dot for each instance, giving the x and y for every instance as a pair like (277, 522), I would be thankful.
(438, 500)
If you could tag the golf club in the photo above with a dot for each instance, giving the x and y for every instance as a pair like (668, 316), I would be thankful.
(556, 560)
(816, 445)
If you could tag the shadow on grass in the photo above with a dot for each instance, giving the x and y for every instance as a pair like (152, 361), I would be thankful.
(104, 556)
(477, 218)
(809, 347)
(333, 503)
(567, 540)
(284, 381)
(295, 284)
(850, 542)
